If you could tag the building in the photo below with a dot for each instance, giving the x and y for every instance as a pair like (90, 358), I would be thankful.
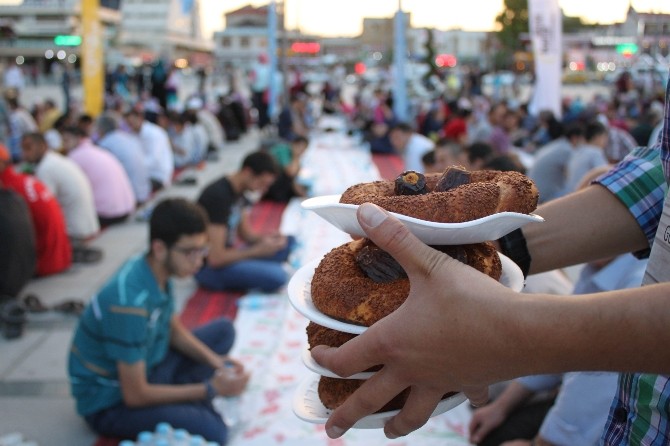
(169, 29)
(133, 31)
(35, 25)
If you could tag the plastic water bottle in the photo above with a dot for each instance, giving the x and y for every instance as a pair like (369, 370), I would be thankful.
(197, 440)
(145, 438)
(180, 437)
(163, 434)
(230, 405)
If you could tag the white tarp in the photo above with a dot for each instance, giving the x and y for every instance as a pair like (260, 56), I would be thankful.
(546, 29)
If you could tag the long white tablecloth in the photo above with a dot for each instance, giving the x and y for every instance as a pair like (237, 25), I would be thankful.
(271, 334)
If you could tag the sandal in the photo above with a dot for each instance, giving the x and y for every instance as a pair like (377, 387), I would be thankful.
(13, 318)
(86, 255)
(73, 307)
(33, 304)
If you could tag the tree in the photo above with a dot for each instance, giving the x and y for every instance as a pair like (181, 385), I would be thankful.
(430, 56)
(513, 21)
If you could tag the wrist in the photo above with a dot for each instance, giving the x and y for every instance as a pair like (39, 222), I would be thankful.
(210, 391)
(513, 245)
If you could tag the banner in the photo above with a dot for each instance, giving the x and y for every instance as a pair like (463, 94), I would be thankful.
(92, 63)
(546, 33)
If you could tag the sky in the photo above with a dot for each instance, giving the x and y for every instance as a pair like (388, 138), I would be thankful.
(345, 17)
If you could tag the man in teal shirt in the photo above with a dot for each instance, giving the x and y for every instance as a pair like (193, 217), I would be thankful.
(132, 362)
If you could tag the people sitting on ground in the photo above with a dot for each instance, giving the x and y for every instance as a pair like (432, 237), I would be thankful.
(448, 152)
(133, 363)
(587, 156)
(239, 258)
(112, 193)
(476, 155)
(49, 116)
(410, 145)
(158, 156)
(210, 124)
(287, 157)
(292, 119)
(21, 122)
(17, 262)
(187, 146)
(127, 148)
(550, 165)
(430, 163)
(505, 162)
(53, 250)
(69, 184)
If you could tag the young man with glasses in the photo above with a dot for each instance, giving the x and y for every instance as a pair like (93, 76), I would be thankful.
(132, 362)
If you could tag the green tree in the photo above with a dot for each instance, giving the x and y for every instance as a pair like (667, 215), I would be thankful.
(513, 21)
(429, 59)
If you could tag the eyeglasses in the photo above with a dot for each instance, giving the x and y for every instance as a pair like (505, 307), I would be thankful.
(193, 252)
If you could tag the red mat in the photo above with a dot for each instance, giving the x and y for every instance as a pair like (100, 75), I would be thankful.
(389, 165)
(205, 305)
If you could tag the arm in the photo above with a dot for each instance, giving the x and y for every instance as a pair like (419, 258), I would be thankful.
(220, 255)
(460, 330)
(489, 417)
(580, 220)
(138, 392)
(182, 340)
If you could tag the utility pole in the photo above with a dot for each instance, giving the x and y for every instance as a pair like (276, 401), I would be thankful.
(272, 50)
(93, 61)
(399, 57)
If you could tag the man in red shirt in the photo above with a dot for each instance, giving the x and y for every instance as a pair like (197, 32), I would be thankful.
(54, 253)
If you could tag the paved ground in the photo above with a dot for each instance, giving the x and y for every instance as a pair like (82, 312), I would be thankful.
(34, 393)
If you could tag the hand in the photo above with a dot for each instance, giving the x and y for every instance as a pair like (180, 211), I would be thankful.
(449, 335)
(517, 443)
(484, 420)
(268, 245)
(230, 380)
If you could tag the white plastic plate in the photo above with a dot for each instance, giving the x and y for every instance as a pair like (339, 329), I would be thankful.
(311, 364)
(300, 294)
(308, 407)
(492, 227)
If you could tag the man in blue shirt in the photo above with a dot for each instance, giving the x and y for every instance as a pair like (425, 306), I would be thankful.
(132, 362)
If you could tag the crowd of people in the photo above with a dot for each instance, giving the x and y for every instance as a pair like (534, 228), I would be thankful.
(66, 176)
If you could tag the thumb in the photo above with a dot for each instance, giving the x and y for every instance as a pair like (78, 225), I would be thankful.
(389, 234)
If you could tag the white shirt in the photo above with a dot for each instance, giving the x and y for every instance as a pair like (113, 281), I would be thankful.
(416, 147)
(73, 191)
(158, 156)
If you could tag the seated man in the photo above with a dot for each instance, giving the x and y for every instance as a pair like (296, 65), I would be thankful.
(287, 157)
(69, 184)
(112, 193)
(257, 264)
(133, 363)
(54, 253)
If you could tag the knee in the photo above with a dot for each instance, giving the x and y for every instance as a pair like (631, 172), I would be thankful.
(274, 281)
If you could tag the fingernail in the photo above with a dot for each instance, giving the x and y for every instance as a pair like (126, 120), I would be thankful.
(334, 432)
(391, 436)
(372, 215)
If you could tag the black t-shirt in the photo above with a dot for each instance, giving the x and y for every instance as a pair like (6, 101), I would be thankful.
(224, 206)
(18, 256)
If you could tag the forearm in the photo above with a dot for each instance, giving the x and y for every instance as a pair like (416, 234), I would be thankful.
(154, 394)
(185, 342)
(623, 331)
(588, 225)
(227, 256)
(513, 395)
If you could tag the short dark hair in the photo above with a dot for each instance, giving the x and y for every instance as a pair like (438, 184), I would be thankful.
(428, 158)
(260, 162)
(173, 218)
(402, 127)
(34, 137)
(299, 139)
(73, 130)
(593, 129)
(479, 151)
